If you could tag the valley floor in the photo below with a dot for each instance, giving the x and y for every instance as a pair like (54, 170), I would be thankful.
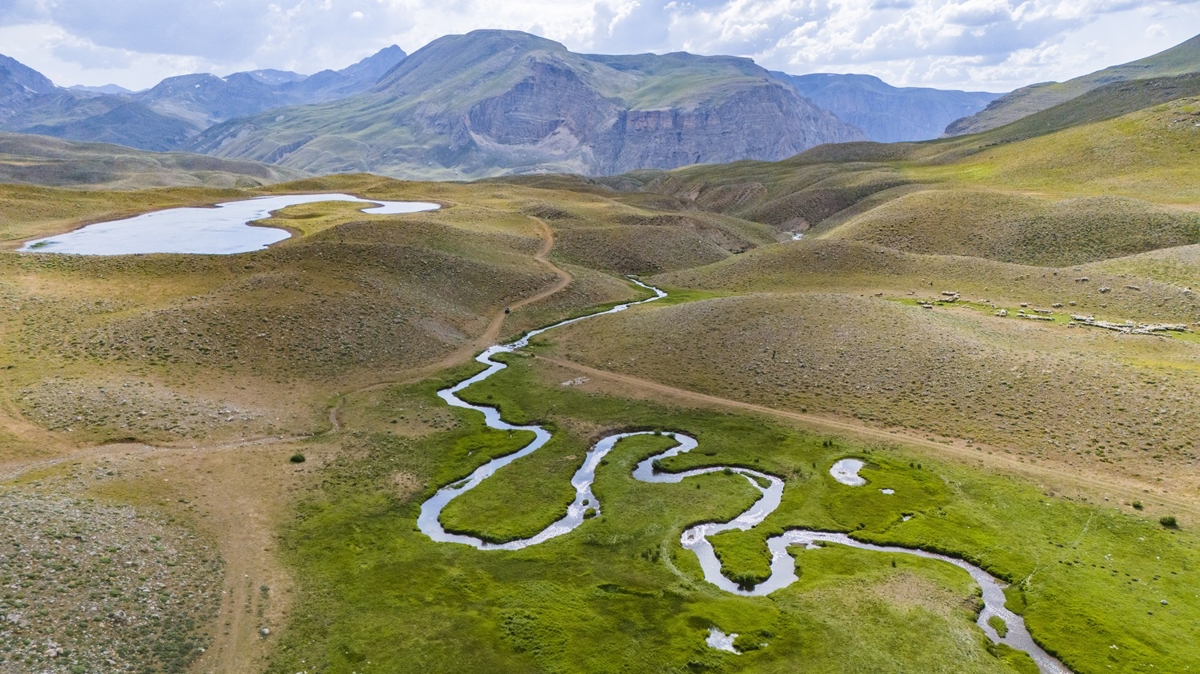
(218, 462)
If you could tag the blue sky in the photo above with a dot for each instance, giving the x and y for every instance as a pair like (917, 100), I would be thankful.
(994, 45)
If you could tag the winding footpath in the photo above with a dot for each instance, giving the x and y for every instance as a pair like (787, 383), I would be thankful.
(770, 487)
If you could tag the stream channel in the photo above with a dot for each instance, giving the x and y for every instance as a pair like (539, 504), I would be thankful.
(770, 487)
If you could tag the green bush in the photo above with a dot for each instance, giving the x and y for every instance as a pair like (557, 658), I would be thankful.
(1169, 522)
(297, 458)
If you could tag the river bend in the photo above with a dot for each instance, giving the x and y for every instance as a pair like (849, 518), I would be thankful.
(770, 488)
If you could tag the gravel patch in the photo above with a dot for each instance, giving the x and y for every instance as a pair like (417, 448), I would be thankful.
(88, 588)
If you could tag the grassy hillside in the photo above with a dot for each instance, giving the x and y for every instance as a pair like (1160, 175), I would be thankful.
(1026, 175)
(1181, 59)
(350, 298)
(39, 160)
(1020, 229)
(1065, 395)
(281, 405)
(1146, 154)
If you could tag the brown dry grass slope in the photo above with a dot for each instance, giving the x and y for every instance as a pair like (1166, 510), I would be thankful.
(1090, 401)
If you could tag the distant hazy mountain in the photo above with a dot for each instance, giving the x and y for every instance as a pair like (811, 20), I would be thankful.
(19, 84)
(106, 119)
(329, 85)
(495, 102)
(885, 113)
(30, 103)
(275, 77)
(1178, 60)
(204, 99)
(110, 89)
(178, 108)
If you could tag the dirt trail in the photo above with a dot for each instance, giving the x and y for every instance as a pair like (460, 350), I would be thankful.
(14, 422)
(1101, 486)
(488, 338)
(492, 334)
(245, 495)
(16, 469)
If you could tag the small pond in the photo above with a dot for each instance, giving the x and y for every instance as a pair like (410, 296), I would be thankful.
(221, 230)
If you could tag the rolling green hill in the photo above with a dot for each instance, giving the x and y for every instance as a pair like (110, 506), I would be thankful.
(1134, 139)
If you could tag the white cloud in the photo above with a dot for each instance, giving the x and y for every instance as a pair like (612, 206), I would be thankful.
(981, 44)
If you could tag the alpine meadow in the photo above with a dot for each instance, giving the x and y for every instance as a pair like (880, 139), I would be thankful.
(502, 356)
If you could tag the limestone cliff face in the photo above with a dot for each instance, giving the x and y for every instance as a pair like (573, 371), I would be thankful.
(763, 122)
(500, 102)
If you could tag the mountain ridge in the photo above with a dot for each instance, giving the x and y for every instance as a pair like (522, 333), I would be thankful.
(205, 99)
(886, 113)
(163, 117)
(1181, 59)
(495, 102)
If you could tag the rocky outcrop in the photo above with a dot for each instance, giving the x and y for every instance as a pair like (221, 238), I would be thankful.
(764, 122)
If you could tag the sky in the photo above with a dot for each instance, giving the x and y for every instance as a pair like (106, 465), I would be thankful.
(988, 45)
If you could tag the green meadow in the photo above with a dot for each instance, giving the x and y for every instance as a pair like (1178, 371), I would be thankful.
(1099, 588)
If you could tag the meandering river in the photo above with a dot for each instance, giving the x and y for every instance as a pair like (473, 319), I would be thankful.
(770, 488)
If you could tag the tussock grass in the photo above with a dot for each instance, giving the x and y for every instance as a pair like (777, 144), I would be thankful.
(1020, 229)
(844, 266)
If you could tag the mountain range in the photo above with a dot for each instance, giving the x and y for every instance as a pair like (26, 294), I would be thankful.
(166, 116)
(205, 100)
(488, 103)
(495, 102)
